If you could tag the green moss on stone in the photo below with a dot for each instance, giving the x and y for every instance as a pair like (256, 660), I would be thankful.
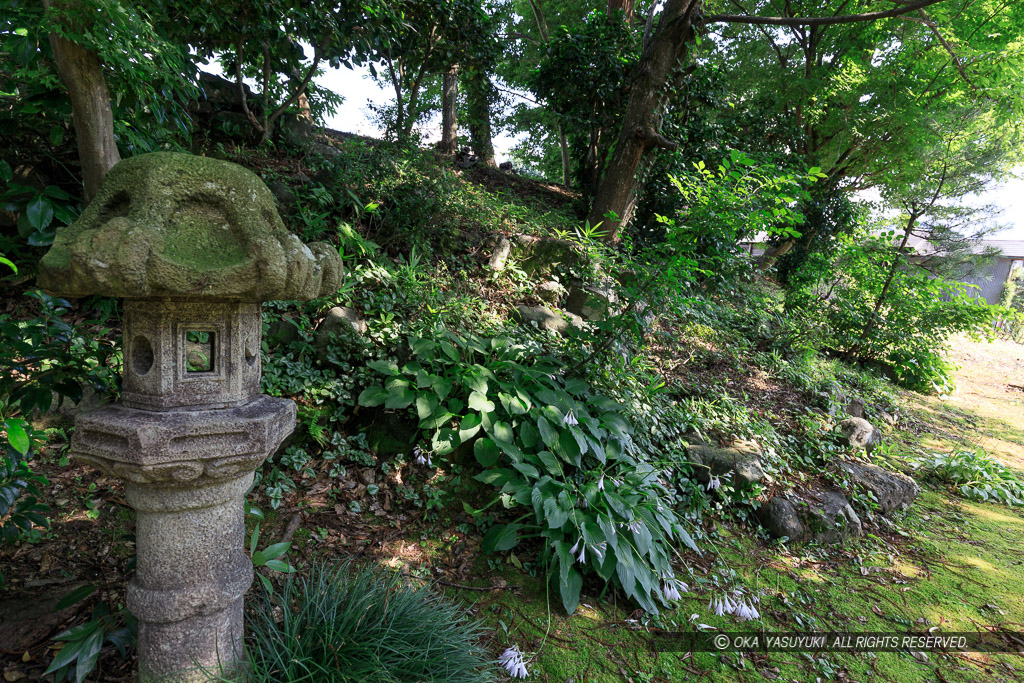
(167, 225)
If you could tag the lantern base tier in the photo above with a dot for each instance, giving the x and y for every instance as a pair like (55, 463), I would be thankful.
(187, 447)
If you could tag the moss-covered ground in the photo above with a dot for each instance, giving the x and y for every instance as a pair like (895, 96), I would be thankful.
(947, 563)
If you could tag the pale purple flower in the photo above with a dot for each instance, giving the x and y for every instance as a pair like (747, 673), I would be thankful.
(739, 607)
(598, 549)
(570, 419)
(633, 526)
(713, 483)
(670, 591)
(420, 458)
(512, 660)
(573, 549)
(600, 483)
(583, 554)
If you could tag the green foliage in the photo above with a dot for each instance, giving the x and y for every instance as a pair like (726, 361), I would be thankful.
(19, 485)
(148, 74)
(340, 624)
(269, 557)
(41, 357)
(40, 213)
(553, 445)
(83, 643)
(584, 80)
(721, 207)
(975, 475)
(430, 37)
(862, 300)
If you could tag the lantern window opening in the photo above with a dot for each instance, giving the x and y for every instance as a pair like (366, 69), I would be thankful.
(200, 351)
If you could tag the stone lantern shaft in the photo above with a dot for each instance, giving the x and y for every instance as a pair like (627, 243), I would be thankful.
(193, 245)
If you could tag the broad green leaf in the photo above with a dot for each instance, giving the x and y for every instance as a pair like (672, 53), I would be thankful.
(17, 436)
(75, 597)
(497, 477)
(426, 405)
(400, 395)
(501, 537)
(547, 432)
(39, 212)
(469, 427)
(276, 550)
(372, 396)
(570, 590)
(502, 431)
(486, 452)
(568, 447)
(450, 350)
(528, 435)
(385, 367)
(440, 418)
(478, 401)
(280, 566)
(550, 462)
(445, 441)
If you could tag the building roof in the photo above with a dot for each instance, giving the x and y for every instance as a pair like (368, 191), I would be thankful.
(1007, 248)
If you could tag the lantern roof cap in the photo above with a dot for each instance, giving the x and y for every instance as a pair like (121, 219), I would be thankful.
(171, 225)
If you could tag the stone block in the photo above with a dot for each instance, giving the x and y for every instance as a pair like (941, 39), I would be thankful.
(892, 490)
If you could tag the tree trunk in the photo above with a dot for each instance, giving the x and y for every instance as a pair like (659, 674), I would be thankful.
(478, 100)
(82, 74)
(563, 144)
(625, 5)
(773, 254)
(616, 194)
(449, 123)
(897, 261)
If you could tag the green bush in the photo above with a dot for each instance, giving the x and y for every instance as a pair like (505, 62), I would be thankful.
(977, 476)
(40, 358)
(338, 624)
(864, 299)
(555, 448)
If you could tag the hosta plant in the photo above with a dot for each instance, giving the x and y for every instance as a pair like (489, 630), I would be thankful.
(559, 452)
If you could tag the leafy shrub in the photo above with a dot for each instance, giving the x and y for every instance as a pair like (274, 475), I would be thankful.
(862, 300)
(19, 485)
(977, 476)
(722, 206)
(339, 624)
(554, 446)
(82, 644)
(39, 358)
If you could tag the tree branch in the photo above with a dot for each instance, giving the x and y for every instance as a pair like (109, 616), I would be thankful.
(241, 90)
(949, 48)
(653, 138)
(817, 21)
(302, 86)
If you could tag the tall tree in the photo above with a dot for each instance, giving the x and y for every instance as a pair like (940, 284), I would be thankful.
(82, 73)
(99, 47)
(449, 111)
(668, 47)
(851, 98)
(431, 38)
(264, 40)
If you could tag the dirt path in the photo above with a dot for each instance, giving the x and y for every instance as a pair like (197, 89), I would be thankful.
(987, 408)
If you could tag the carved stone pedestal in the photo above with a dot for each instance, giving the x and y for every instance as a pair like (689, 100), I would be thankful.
(186, 474)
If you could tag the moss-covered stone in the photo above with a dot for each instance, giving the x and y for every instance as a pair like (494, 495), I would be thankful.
(177, 225)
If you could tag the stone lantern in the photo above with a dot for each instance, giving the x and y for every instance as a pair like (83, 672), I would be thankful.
(193, 245)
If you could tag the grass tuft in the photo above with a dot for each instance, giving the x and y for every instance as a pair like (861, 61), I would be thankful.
(341, 624)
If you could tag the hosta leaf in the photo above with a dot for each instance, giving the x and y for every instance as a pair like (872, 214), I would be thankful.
(486, 452)
(501, 537)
